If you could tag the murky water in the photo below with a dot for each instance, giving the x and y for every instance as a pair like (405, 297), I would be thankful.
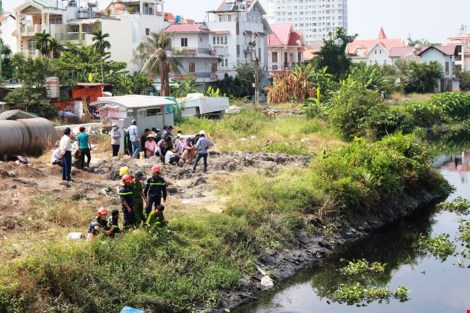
(435, 286)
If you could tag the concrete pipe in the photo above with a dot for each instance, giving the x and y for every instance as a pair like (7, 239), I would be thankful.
(26, 136)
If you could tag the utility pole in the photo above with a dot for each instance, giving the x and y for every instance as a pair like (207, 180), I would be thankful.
(256, 61)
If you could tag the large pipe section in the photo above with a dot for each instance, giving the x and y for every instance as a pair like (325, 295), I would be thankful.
(26, 136)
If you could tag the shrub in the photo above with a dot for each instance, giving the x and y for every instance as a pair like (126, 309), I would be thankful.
(353, 109)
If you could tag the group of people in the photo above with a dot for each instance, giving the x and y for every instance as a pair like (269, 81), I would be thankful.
(170, 149)
(141, 204)
(62, 155)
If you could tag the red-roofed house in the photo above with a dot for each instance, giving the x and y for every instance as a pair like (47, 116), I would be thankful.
(462, 53)
(191, 46)
(374, 51)
(7, 31)
(286, 48)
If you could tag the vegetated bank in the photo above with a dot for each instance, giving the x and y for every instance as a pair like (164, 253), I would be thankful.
(280, 220)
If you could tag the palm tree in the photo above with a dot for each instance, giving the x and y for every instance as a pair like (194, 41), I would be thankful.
(55, 48)
(101, 44)
(156, 56)
(43, 43)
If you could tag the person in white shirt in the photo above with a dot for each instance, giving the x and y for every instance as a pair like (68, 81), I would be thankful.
(56, 157)
(115, 139)
(134, 137)
(65, 147)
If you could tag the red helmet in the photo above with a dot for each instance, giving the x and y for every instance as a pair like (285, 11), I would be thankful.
(126, 178)
(156, 168)
(102, 211)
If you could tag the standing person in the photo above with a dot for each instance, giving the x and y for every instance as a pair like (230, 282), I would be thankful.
(143, 139)
(115, 139)
(150, 145)
(137, 192)
(134, 138)
(155, 189)
(100, 225)
(202, 145)
(66, 153)
(127, 201)
(85, 146)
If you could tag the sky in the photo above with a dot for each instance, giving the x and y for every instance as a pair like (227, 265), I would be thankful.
(434, 20)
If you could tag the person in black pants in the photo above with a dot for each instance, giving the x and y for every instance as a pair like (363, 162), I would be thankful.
(155, 190)
(65, 147)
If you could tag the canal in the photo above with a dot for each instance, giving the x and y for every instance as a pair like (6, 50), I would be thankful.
(435, 285)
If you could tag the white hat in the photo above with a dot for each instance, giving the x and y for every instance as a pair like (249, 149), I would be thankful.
(114, 125)
(202, 133)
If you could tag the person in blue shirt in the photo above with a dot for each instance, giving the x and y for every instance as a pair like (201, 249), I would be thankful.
(202, 145)
(85, 147)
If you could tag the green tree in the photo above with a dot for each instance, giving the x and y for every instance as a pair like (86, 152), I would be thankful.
(421, 77)
(55, 48)
(101, 44)
(464, 80)
(155, 54)
(6, 68)
(186, 86)
(43, 43)
(332, 54)
(353, 110)
(31, 96)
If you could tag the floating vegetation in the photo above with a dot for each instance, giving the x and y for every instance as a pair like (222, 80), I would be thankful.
(464, 232)
(360, 293)
(459, 206)
(440, 246)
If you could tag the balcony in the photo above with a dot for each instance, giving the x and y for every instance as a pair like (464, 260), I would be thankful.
(30, 30)
(193, 52)
(70, 36)
(200, 77)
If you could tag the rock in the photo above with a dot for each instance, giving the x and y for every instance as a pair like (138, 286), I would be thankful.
(12, 174)
(172, 189)
(200, 181)
(267, 281)
(13, 187)
(253, 137)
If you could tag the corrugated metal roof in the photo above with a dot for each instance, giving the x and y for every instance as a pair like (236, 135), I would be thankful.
(15, 113)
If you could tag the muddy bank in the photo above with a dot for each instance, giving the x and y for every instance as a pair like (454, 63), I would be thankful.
(312, 248)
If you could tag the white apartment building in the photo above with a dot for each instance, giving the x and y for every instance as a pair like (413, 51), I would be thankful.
(7, 31)
(239, 34)
(127, 22)
(190, 45)
(314, 18)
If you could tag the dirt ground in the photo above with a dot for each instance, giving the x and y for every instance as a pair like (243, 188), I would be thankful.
(22, 186)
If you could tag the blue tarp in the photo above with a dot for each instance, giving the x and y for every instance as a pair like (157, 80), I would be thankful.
(128, 309)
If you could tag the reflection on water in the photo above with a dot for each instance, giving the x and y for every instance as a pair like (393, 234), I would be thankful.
(435, 286)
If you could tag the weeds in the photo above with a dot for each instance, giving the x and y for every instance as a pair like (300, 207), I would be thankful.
(440, 246)
(459, 205)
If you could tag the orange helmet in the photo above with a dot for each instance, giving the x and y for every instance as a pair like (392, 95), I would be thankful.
(126, 178)
(102, 211)
(156, 168)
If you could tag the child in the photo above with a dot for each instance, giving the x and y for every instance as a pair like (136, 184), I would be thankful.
(156, 217)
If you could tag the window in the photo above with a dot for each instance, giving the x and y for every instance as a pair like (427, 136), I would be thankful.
(213, 40)
(238, 51)
(214, 67)
(229, 18)
(147, 31)
(447, 68)
(184, 42)
(192, 67)
(274, 57)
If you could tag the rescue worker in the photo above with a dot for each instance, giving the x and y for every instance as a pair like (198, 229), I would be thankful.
(137, 192)
(156, 217)
(155, 189)
(127, 201)
(123, 171)
(114, 221)
(100, 225)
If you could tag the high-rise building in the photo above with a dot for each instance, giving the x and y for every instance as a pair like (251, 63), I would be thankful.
(314, 18)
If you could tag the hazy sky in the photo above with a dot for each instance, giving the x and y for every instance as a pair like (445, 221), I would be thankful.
(434, 20)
